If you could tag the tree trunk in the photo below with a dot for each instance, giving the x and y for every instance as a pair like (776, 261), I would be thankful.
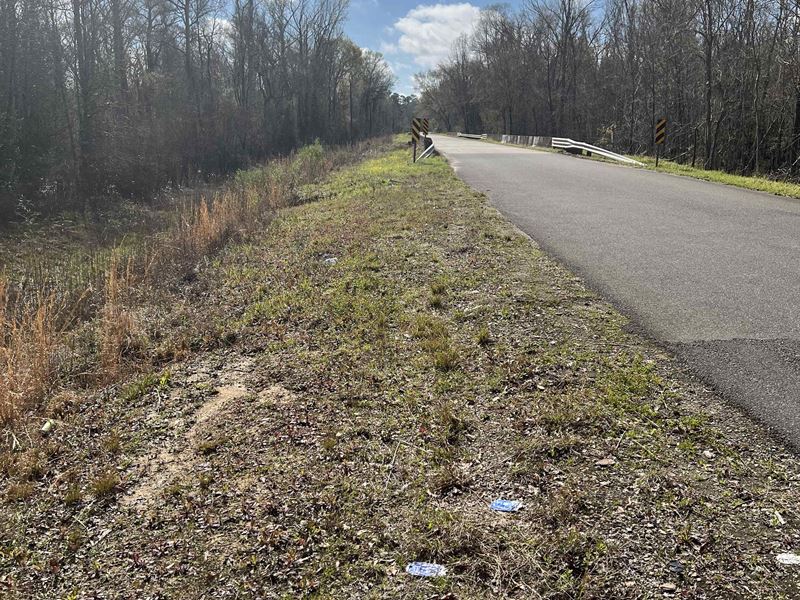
(795, 157)
(58, 73)
(83, 99)
(120, 57)
(10, 49)
(708, 50)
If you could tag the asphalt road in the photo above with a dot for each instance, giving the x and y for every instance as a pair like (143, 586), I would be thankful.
(710, 271)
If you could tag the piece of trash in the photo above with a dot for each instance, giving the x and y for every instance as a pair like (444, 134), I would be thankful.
(606, 462)
(329, 259)
(788, 558)
(708, 454)
(780, 518)
(48, 426)
(669, 588)
(676, 567)
(423, 569)
(506, 505)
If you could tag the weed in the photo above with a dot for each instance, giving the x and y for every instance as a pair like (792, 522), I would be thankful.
(426, 327)
(75, 539)
(105, 484)
(453, 423)
(113, 443)
(310, 164)
(19, 491)
(446, 359)
(439, 287)
(552, 447)
(690, 423)
(329, 442)
(483, 338)
(116, 331)
(60, 403)
(87, 297)
(73, 495)
(32, 464)
(174, 490)
(210, 446)
(28, 349)
(447, 479)
(144, 385)
(436, 301)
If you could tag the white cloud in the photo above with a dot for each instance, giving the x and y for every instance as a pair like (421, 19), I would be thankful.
(428, 32)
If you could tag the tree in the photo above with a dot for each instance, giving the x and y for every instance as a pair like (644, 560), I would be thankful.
(108, 98)
(725, 73)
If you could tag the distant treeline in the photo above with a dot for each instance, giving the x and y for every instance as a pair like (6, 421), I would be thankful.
(105, 97)
(724, 72)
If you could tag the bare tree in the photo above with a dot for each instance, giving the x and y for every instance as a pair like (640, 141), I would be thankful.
(108, 98)
(725, 73)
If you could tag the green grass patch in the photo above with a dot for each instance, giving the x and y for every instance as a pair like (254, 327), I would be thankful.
(750, 182)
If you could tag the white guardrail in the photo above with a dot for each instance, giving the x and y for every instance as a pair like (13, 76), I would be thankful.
(558, 143)
(428, 151)
(568, 144)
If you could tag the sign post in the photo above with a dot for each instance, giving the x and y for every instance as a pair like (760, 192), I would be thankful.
(416, 127)
(661, 136)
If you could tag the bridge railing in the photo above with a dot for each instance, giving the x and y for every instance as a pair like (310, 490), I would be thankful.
(568, 144)
(559, 143)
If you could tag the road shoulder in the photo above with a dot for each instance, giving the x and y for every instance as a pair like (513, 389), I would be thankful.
(405, 356)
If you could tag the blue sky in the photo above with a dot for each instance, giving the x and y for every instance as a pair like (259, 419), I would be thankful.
(413, 36)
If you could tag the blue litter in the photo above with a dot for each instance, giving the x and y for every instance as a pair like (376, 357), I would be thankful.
(506, 505)
(423, 569)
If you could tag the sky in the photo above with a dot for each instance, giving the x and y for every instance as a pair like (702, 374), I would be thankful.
(413, 36)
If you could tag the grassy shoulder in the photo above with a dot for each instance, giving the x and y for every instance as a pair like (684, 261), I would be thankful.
(403, 357)
(758, 184)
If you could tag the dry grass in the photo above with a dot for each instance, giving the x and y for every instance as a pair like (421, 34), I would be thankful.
(105, 484)
(19, 491)
(116, 323)
(40, 307)
(28, 341)
(208, 226)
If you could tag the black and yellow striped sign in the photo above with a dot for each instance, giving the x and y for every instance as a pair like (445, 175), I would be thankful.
(416, 128)
(426, 127)
(661, 131)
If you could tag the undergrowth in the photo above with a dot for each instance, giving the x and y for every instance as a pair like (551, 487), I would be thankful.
(86, 324)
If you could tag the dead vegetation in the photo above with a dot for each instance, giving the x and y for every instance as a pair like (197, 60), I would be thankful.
(91, 329)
